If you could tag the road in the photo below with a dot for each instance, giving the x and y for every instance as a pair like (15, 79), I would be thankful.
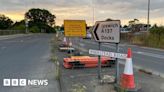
(147, 58)
(27, 58)
(88, 76)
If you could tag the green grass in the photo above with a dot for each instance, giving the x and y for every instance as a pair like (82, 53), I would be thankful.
(54, 57)
(148, 40)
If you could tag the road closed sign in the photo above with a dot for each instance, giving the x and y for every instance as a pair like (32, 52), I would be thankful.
(75, 28)
(107, 31)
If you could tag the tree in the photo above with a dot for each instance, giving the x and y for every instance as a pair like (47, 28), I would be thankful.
(41, 18)
(133, 22)
(125, 26)
(19, 25)
(109, 19)
(5, 22)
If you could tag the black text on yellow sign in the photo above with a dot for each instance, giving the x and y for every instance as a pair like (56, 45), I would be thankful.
(75, 28)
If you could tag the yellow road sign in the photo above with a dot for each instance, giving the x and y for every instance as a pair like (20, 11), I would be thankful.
(75, 28)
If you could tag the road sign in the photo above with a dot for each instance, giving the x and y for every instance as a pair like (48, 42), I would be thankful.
(107, 31)
(110, 54)
(75, 28)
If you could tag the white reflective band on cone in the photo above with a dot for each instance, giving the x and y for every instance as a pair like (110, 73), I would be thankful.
(64, 40)
(70, 44)
(128, 67)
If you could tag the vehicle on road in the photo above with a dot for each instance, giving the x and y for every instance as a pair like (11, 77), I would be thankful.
(87, 62)
(88, 36)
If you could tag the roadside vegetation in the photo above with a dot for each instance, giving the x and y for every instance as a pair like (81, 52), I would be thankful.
(36, 21)
(154, 38)
(54, 57)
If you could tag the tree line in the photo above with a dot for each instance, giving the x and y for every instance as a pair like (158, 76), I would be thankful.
(37, 20)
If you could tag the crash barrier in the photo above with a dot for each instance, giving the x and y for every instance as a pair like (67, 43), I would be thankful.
(86, 61)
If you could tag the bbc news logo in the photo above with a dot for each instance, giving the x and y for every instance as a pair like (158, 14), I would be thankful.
(24, 82)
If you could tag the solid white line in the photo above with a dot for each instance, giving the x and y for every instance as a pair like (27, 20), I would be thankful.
(146, 69)
(138, 52)
(150, 54)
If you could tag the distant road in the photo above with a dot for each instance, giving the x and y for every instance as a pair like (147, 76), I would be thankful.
(147, 58)
(27, 57)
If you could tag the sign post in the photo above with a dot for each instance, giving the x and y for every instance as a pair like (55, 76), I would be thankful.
(108, 31)
(99, 63)
(117, 65)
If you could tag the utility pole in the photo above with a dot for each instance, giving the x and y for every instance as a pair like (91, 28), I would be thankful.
(148, 15)
(93, 13)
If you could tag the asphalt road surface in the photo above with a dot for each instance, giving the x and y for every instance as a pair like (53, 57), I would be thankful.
(147, 58)
(27, 58)
(88, 76)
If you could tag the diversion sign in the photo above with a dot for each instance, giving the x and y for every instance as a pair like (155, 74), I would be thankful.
(107, 31)
(75, 28)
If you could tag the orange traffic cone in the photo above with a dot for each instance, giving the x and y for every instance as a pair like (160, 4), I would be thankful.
(127, 78)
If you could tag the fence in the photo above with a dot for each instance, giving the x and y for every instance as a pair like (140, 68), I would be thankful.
(10, 32)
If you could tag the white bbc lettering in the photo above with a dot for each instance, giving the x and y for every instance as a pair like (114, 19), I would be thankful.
(14, 82)
(22, 82)
(6, 82)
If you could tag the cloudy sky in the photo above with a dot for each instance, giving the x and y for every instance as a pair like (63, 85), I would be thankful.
(124, 10)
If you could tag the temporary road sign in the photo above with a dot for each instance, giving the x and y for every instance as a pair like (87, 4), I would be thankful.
(107, 31)
(110, 54)
(75, 28)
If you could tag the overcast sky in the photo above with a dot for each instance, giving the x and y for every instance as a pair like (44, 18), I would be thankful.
(124, 10)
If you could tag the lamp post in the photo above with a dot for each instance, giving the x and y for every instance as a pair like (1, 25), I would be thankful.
(148, 15)
(93, 12)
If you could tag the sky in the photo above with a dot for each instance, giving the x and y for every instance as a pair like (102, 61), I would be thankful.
(124, 10)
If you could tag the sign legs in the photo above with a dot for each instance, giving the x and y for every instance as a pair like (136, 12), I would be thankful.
(99, 63)
(117, 65)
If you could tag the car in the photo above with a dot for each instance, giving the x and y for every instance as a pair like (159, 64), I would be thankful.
(88, 36)
(86, 62)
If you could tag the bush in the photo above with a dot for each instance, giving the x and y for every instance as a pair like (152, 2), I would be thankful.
(34, 29)
(19, 27)
(145, 39)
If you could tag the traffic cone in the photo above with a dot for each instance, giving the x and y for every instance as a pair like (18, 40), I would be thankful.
(127, 78)
(64, 41)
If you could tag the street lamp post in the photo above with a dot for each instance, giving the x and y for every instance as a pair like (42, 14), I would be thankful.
(148, 15)
(93, 11)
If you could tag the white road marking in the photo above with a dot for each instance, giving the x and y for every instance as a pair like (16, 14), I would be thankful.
(139, 67)
(138, 52)
(150, 54)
